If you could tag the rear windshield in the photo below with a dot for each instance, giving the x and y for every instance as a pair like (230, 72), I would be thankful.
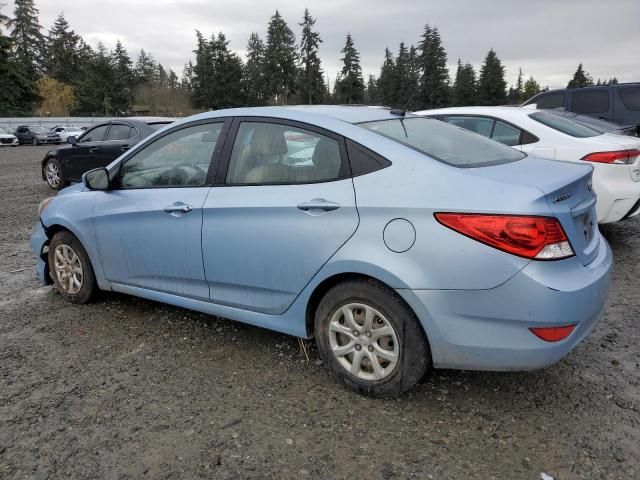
(564, 125)
(158, 126)
(447, 143)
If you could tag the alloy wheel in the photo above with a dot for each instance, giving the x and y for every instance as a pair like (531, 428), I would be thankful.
(68, 269)
(52, 172)
(363, 341)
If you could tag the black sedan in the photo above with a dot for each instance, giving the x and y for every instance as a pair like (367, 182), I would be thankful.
(97, 147)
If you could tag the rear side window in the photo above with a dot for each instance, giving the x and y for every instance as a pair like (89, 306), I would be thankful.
(119, 132)
(481, 125)
(590, 101)
(441, 141)
(550, 101)
(630, 97)
(363, 160)
(564, 125)
(506, 134)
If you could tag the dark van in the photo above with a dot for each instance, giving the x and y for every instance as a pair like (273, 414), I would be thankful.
(619, 103)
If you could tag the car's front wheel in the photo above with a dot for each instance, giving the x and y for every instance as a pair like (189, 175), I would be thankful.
(53, 174)
(70, 268)
(371, 339)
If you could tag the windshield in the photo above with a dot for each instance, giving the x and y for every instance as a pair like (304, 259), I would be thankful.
(564, 125)
(4, 131)
(446, 143)
(39, 130)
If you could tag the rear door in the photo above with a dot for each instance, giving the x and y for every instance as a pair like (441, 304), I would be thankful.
(117, 142)
(284, 205)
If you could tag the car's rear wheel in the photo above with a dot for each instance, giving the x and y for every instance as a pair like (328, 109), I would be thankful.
(371, 339)
(70, 268)
(53, 174)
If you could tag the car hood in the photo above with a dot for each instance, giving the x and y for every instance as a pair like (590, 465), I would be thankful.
(7, 135)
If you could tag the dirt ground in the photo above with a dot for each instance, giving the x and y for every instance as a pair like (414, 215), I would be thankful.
(127, 388)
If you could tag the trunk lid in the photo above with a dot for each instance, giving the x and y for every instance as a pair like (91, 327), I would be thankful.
(568, 191)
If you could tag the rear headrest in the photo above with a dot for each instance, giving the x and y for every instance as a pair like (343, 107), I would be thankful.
(268, 140)
(326, 156)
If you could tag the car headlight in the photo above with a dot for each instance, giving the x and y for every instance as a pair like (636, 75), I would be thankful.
(43, 204)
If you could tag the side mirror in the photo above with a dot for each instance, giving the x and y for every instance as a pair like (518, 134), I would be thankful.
(72, 140)
(97, 179)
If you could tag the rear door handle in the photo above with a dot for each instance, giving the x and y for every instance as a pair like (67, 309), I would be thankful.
(178, 207)
(319, 204)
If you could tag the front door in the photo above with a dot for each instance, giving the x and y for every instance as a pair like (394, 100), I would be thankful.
(148, 228)
(287, 204)
(83, 156)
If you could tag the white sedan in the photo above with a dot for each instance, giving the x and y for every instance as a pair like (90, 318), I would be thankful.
(7, 138)
(66, 132)
(615, 158)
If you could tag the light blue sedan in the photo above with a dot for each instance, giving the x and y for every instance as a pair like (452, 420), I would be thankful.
(399, 242)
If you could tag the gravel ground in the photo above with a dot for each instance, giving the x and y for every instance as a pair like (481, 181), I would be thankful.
(127, 388)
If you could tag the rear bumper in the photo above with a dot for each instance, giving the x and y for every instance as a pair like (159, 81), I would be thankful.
(489, 329)
(39, 240)
(617, 193)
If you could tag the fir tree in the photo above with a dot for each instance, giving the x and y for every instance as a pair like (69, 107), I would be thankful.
(465, 85)
(580, 79)
(280, 59)
(388, 81)
(516, 93)
(311, 77)
(371, 91)
(61, 60)
(492, 87)
(434, 83)
(531, 88)
(123, 79)
(255, 83)
(350, 86)
(27, 38)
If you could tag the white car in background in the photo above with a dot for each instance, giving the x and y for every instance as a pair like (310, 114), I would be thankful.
(541, 133)
(7, 138)
(66, 132)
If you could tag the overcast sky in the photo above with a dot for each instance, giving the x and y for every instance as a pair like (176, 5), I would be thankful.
(546, 38)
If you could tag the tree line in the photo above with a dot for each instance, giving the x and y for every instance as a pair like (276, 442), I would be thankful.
(58, 73)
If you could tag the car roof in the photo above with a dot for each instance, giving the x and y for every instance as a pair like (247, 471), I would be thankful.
(346, 113)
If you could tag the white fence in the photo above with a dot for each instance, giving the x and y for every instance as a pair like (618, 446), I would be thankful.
(50, 122)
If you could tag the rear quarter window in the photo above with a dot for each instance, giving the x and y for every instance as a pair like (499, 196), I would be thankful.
(590, 101)
(550, 101)
(630, 97)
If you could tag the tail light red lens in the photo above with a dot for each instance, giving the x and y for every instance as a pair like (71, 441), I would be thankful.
(618, 156)
(531, 237)
(553, 334)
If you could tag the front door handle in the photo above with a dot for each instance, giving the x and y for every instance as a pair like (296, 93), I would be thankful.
(178, 207)
(93, 149)
(319, 204)
(124, 148)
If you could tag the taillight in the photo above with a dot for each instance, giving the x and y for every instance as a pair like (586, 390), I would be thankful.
(617, 156)
(553, 334)
(541, 238)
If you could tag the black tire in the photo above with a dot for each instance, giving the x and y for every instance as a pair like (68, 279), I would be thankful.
(88, 285)
(414, 355)
(51, 182)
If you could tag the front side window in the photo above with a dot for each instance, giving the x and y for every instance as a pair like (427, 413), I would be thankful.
(443, 142)
(564, 125)
(95, 135)
(550, 101)
(119, 132)
(590, 101)
(506, 134)
(267, 153)
(481, 125)
(179, 159)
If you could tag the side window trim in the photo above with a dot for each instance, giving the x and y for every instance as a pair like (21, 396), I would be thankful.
(213, 163)
(221, 173)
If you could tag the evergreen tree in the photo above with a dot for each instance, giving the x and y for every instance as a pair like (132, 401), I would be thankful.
(122, 95)
(18, 94)
(371, 91)
(580, 78)
(350, 86)
(434, 83)
(492, 87)
(465, 86)
(311, 77)
(531, 88)
(27, 38)
(402, 71)
(280, 68)
(61, 59)
(388, 81)
(516, 92)
(255, 83)
(95, 91)
(145, 68)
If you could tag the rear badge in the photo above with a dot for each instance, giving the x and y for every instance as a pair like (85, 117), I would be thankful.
(562, 197)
